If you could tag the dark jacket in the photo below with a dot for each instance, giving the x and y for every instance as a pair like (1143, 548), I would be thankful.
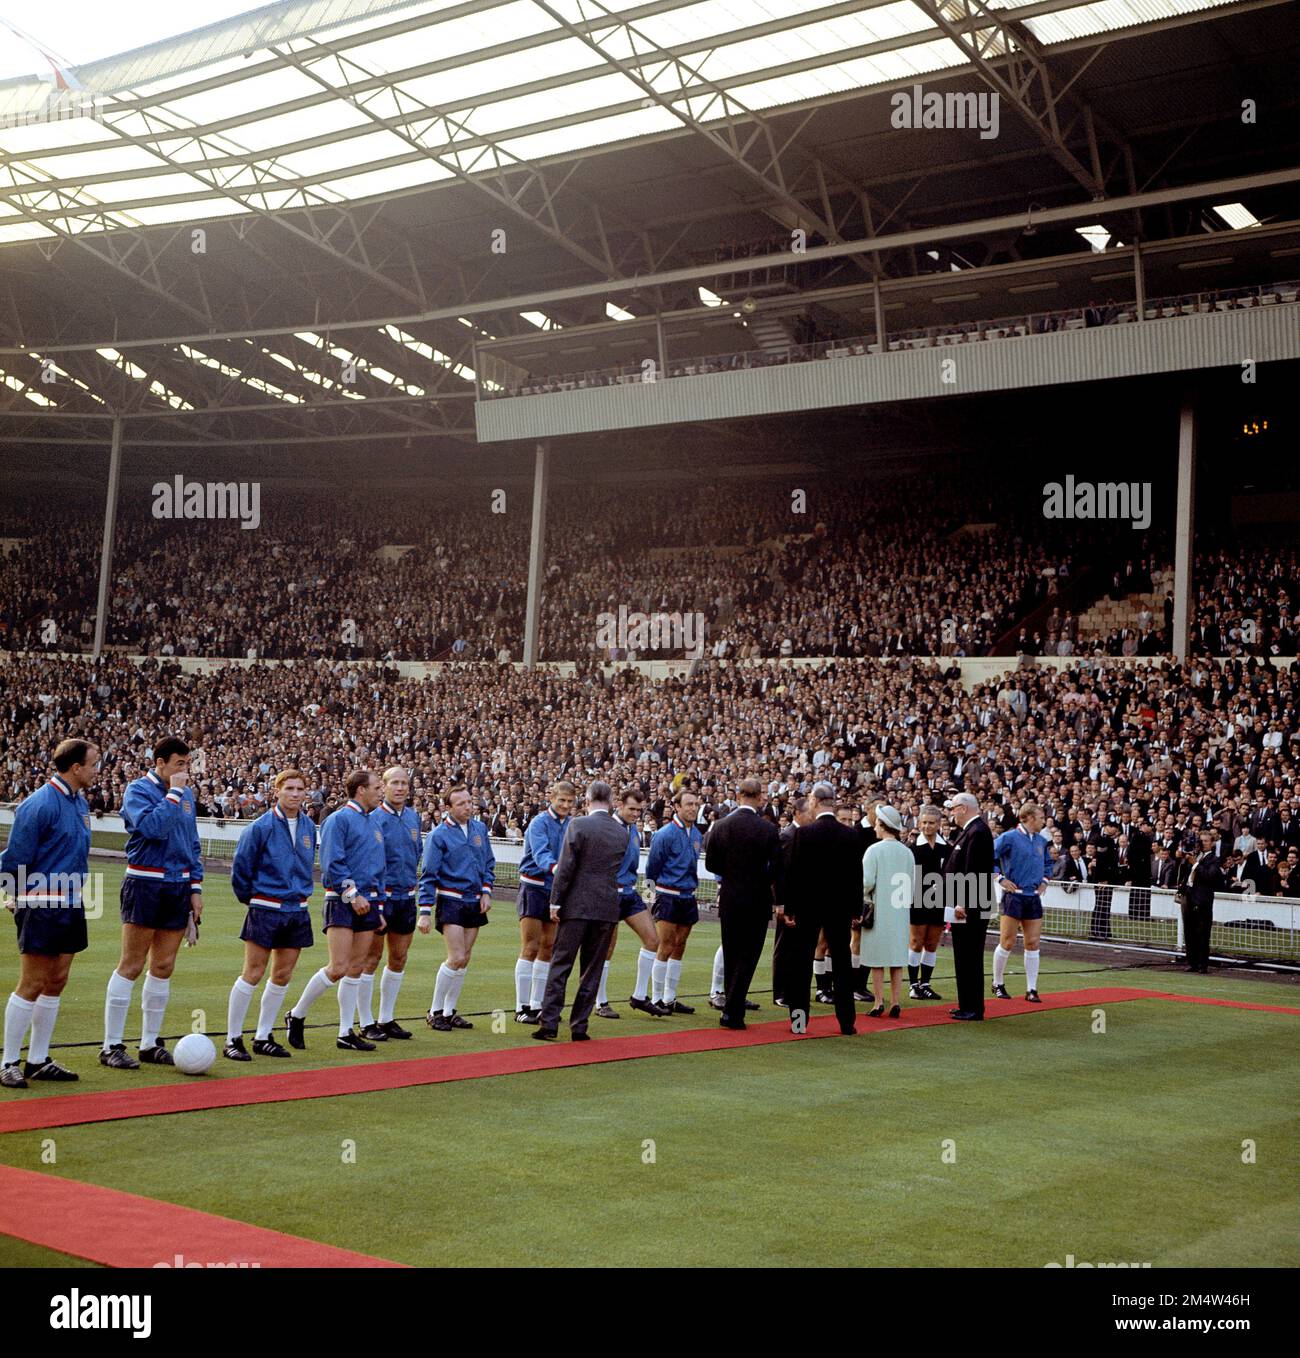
(586, 876)
(743, 850)
(824, 875)
(1204, 879)
(969, 865)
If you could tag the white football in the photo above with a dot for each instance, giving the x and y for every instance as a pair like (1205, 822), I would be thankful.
(193, 1054)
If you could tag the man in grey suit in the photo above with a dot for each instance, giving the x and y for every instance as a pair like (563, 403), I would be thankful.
(584, 900)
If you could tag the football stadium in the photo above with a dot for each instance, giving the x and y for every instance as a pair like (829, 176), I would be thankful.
(656, 634)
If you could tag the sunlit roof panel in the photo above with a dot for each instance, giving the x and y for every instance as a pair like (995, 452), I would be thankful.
(1109, 15)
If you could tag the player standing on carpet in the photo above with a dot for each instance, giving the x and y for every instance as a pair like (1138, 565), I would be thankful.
(926, 923)
(48, 859)
(542, 842)
(673, 869)
(456, 876)
(272, 875)
(400, 825)
(632, 910)
(352, 866)
(1023, 859)
(162, 900)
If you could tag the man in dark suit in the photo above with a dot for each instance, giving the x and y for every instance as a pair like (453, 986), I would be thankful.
(1205, 877)
(803, 815)
(822, 890)
(1140, 843)
(743, 850)
(584, 902)
(968, 888)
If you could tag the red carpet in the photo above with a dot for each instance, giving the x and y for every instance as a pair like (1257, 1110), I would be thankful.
(23, 1113)
(126, 1231)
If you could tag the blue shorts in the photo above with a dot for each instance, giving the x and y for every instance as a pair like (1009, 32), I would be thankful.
(340, 915)
(155, 905)
(400, 913)
(277, 928)
(457, 912)
(1022, 905)
(48, 931)
(534, 902)
(629, 904)
(676, 909)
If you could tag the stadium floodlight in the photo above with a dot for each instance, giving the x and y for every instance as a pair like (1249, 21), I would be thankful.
(616, 313)
(541, 320)
(709, 298)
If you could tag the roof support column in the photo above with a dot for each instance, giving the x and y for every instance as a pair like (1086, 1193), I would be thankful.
(106, 547)
(1183, 527)
(536, 553)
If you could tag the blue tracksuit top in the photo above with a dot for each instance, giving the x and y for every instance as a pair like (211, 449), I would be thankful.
(271, 870)
(542, 842)
(402, 848)
(162, 842)
(457, 864)
(48, 854)
(674, 861)
(352, 852)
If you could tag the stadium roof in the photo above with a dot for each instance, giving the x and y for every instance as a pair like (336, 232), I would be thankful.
(352, 162)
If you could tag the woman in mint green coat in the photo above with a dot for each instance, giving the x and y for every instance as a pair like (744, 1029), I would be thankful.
(887, 873)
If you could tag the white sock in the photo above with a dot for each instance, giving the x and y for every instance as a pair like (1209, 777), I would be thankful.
(153, 1005)
(314, 989)
(44, 1012)
(117, 1000)
(441, 984)
(348, 987)
(820, 965)
(523, 983)
(18, 1014)
(1031, 969)
(1000, 955)
(241, 996)
(389, 984)
(541, 970)
(913, 958)
(272, 999)
(602, 995)
(928, 959)
(670, 984)
(645, 961)
(658, 975)
(456, 985)
(719, 974)
(365, 1000)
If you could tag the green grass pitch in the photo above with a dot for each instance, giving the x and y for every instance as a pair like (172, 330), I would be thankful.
(1168, 1138)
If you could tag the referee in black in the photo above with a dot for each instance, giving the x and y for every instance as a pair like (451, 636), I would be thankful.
(743, 850)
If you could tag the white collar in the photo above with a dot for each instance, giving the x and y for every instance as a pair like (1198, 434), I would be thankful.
(60, 784)
(357, 807)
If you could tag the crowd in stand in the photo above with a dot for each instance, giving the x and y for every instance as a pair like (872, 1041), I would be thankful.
(1129, 759)
(768, 579)
(904, 565)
